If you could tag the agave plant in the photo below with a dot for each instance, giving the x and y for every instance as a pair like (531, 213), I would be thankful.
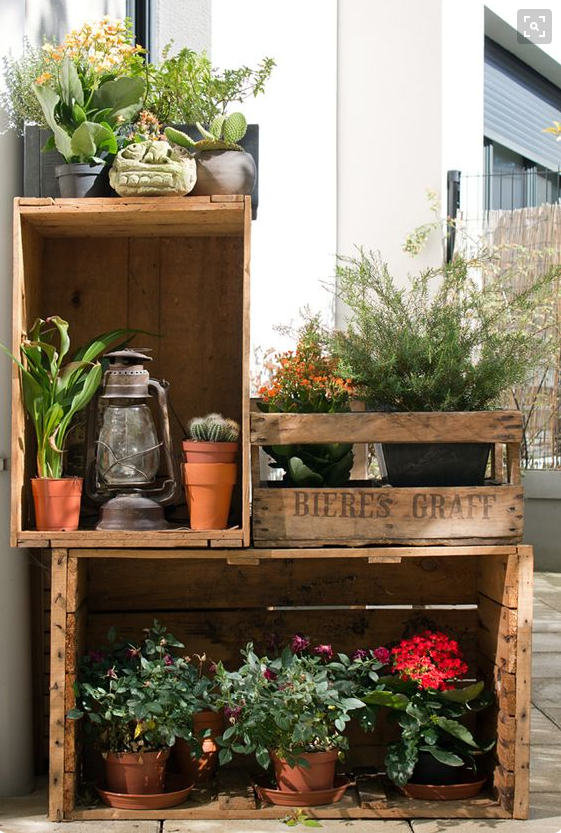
(54, 393)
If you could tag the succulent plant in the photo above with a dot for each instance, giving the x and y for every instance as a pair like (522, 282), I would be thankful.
(214, 428)
(224, 133)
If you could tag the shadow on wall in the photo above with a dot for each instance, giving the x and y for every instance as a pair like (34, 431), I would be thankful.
(53, 19)
(53, 22)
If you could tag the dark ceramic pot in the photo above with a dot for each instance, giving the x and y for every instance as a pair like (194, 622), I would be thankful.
(438, 464)
(78, 180)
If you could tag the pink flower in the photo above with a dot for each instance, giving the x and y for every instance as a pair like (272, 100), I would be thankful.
(132, 652)
(359, 654)
(382, 654)
(269, 674)
(325, 651)
(232, 714)
(299, 643)
(212, 668)
(168, 660)
(111, 673)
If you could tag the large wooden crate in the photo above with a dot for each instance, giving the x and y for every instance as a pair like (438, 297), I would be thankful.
(217, 600)
(363, 513)
(173, 267)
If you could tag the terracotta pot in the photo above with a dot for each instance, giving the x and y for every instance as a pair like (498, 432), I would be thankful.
(57, 503)
(224, 172)
(203, 768)
(209, 489)
(444, 792)
(136, 773)
(203, 452)
(319, 775)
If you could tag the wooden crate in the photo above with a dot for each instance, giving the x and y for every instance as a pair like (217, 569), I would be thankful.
(363, 513)
(174, 267)
(217, 600)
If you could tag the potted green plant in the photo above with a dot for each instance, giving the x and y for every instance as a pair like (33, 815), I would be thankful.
(291, 711)
(448, 341)
(210, 470)
(223, 166)
(307, 380)
(88, 89)
(135, 701)
(436, 755)
(53, 393)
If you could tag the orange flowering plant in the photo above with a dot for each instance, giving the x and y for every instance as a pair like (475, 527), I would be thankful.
(307, 380)
(89, 88)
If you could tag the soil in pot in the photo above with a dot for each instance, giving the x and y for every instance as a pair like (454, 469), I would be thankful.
(433, 464)
(136, 773)
(318, 775)
(76, 180)
(57, 503)
(197, 451)
(224, 172)
(209, 489)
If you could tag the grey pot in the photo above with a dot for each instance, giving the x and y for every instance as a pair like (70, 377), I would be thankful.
(224, 172)
(82, 180)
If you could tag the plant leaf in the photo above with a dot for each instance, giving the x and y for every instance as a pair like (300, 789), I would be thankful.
(48, 100)
(70, 84)
(456, 730)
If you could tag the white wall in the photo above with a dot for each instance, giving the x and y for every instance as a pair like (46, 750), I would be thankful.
(54, 18)
(16, 764)
(185, 22)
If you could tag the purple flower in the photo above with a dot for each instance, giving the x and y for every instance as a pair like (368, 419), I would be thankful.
(232, 714)
(168, 660)
(111, 673)
(325, 651)
(360, 655)
(269, 674)
(299, 643)
(382, 655)
(212, 668)
(96, 656)
(132, 652)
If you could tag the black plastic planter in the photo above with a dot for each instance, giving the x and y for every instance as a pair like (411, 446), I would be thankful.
(432, 464)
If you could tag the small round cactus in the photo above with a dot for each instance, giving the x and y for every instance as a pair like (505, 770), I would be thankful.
(214, 428)
(234, 127)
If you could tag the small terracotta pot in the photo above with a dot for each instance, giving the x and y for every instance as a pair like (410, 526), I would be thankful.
(136, 773)
(203, 768)
(319, 775)
(204, 452)
(57, 503)
(208, 490)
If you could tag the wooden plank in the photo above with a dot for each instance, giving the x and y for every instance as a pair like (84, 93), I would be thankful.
(102, 539)
(477, 426)
(40, 598)
(57, 684)
(235, 791)
(245, 449)
(75, 645)
(497, 579)
(206, 584)
(523, 683)
(77, 584)
(384, 515)
(513, 463)
(497, 633)
(143, 295)
(497, 463)
(501, 682)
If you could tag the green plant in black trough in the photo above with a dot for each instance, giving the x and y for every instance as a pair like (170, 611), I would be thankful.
(448, 341)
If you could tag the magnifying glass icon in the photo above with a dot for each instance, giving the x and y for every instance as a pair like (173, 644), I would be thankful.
(534, 26)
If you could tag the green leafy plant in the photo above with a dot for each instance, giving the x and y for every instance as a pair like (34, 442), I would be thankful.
(298, 702)
(446, 342)
(185, 88)
(429, 706)
(223, 134)
(298, 816)
(139, 697)
(54, 392)
(307, 380)
(214, 428)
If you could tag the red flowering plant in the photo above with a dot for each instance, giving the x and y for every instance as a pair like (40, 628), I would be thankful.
(426, 691)
(307, 381)
(298, 702)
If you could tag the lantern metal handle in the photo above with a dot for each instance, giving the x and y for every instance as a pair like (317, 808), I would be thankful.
(170, 489)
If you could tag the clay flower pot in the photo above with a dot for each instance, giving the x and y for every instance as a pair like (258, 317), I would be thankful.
(57, 503)
(136, 773)
(209, 489)
(224, 172)
(203, 768)
(319, 775)
(197, 451)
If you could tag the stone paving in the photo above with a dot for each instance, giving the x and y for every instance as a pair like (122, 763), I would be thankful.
(27, 814)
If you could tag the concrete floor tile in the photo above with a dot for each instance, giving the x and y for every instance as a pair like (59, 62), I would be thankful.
(546, 664)
(553, 713)
(545, 768)
(546, 643)
(546, 618)
(276, 826)
(546, 692)
(544, 730)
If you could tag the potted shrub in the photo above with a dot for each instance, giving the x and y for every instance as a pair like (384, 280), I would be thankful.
(291, 712)
(135, 702)
(446, 342)
(436, 755)
(223, 166)
(53, 393)
(307, 380)
(210, 470)
(89, 88)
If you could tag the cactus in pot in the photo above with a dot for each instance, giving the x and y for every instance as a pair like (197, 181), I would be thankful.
(212, 438)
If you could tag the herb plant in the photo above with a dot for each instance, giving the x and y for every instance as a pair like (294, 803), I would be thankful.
(443, 343)
(422, 690)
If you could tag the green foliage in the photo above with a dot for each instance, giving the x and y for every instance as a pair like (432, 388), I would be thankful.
(443, 343)
(186, 89)
(140, 697)
(54, 393)
(296, 817)
(17, 99)
(323, 464)
(214, 428)
(295, 703)
(223, 134)
(429, 722)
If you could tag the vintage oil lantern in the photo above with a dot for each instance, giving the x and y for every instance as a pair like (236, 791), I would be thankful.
(125, 448)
